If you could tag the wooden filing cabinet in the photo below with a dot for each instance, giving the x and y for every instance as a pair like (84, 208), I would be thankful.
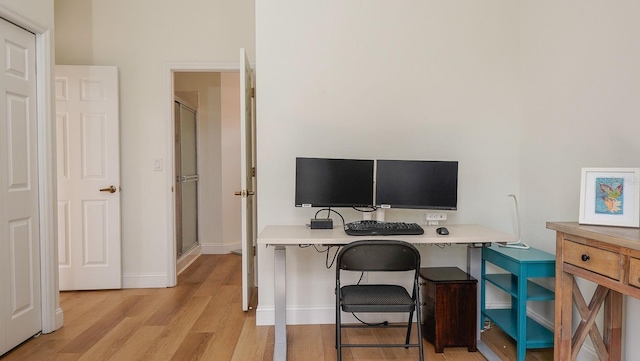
(449, 311)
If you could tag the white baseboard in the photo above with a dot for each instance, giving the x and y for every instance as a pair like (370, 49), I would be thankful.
(186, 259)
(220, 248)
(59, 318)
(148, 280)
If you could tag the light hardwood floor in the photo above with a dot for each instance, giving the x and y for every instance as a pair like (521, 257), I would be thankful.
(201, 319)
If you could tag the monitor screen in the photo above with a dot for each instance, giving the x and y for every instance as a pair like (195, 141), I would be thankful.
(323, 182)
(417, 184)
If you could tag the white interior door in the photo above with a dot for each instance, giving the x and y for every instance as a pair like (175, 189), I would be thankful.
(246, 179)
(20, 297)
(88, 156)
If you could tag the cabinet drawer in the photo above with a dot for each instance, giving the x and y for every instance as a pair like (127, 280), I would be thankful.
(593, 259)
(634, 272)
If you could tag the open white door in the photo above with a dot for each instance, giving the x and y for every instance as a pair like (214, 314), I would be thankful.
(246, 178)
(88, 152)
(20, 292)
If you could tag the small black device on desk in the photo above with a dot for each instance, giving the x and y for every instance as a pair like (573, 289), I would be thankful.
(372, 228)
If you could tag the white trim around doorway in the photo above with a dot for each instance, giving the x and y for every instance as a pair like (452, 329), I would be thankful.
(169, 69)
(52, 315)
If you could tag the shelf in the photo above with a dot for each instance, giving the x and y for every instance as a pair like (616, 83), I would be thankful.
(520, 264)
(508, 283)
(538, 336)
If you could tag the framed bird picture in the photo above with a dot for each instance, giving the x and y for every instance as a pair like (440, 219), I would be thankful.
(610, 196)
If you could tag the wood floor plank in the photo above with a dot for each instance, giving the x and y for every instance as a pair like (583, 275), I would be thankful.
(112, 341)
(179, 326)
(227, 332)
(193, 347)
(254, 350)
(138, 344)
(99, 329)
(202, 319)
(305, 343)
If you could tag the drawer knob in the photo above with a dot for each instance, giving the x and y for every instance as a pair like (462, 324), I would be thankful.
(585, 257)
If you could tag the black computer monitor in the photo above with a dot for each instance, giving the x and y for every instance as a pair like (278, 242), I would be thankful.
(325, 182)
(417, 184)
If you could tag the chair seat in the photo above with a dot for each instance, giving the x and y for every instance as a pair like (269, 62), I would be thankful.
(376, 298)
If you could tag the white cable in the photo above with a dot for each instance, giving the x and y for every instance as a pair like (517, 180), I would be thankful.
(518, 244)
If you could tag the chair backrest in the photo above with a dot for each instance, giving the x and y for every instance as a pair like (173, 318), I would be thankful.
(378, 255)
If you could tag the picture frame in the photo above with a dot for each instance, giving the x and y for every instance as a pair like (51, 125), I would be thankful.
(610, 197)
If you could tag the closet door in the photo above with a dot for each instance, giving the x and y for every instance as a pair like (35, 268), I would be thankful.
(20, 299)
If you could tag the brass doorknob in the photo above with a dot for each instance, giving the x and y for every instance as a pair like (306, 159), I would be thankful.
(111, 189)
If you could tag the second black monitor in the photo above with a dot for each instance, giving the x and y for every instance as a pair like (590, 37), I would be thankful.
(417, 184)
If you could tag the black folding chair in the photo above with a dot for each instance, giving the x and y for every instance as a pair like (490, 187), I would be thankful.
(378, 256)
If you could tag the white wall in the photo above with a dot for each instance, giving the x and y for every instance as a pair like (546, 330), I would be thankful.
(230, 131)
(39, 11)
(580, 108)
(426, 80)
(141, 38)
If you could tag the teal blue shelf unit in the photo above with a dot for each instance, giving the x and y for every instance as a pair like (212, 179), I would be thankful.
(521, 265)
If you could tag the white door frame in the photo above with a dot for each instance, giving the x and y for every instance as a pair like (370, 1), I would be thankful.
(52, 316)
(169, 69)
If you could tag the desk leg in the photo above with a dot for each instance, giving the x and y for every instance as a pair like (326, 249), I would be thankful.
(280, 301)
(474, 268)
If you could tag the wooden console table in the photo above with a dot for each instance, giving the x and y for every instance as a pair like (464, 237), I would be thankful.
(608, 256)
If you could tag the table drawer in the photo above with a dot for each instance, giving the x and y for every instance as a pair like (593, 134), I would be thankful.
(634, 272)
(593, 259)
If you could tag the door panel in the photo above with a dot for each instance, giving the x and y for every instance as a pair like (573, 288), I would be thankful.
(246, 179)
(88, 151)
(20, 299)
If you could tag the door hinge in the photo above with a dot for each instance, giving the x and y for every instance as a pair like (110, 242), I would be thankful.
(253, 171)
(254, 251)
(253, 92)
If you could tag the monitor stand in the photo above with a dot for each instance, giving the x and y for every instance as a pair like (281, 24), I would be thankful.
(380, 215)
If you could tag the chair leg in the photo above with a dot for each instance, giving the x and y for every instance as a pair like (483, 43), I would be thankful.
(419, 325)
(410, 323)
(338, 327)
(338, 336)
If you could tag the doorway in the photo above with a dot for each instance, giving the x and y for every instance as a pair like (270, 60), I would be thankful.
(214, 95)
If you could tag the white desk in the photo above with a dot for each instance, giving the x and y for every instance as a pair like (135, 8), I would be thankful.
(282, 236)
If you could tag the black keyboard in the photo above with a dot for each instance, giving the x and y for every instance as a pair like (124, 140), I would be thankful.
(371, 228)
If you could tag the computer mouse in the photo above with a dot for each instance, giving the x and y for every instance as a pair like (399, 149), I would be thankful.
(443, 231)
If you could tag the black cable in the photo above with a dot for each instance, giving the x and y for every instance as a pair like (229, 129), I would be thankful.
(326, 262)
(383, 323)
(329, 214)
(335, 255)
(373, 209)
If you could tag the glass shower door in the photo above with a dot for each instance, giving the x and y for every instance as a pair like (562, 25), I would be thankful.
(186, 179)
